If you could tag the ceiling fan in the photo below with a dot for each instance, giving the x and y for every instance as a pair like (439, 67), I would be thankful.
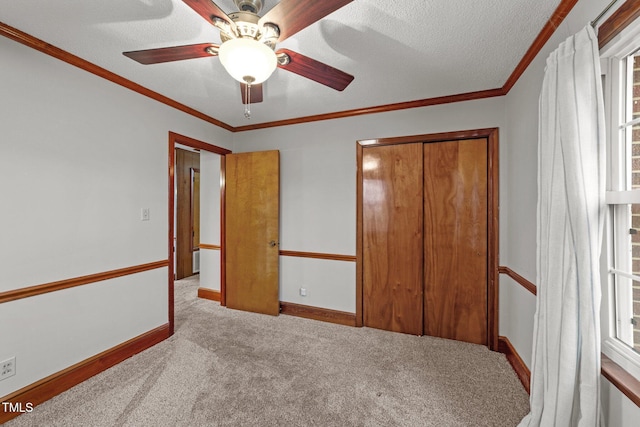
(248, 43)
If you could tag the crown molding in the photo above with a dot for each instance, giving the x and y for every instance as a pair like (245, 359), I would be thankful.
(627, 12)
(44, 47)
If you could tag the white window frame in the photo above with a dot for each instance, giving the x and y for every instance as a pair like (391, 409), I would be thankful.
(613, 54)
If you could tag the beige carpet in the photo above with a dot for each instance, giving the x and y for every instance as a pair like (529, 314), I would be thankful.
(230, 368)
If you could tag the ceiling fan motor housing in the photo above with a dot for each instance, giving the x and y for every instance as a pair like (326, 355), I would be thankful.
(253, 6)
(247, 26)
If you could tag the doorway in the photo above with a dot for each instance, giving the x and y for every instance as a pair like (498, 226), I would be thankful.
(187, 211)
(192, 176)
(427, 235)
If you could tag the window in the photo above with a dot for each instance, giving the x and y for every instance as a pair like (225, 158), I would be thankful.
(625, 162)
(621, 298)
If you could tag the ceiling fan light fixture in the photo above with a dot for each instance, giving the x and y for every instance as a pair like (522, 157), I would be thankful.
(247, 60)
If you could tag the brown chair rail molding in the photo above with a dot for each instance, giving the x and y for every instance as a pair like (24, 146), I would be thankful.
(299, 254)
(317, 255)
(518, 278)
(32, 291)
(208, 246)
(621, 379)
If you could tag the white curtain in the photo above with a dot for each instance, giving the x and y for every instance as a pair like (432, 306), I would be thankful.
(565, 383)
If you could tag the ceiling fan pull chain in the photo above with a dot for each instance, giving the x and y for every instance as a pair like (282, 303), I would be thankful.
(247, 88)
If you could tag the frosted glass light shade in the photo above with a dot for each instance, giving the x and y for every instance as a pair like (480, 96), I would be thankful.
(247, 60)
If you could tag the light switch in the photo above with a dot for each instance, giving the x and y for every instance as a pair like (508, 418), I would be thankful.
(144, 214)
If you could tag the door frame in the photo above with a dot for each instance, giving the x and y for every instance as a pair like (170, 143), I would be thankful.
(175, 138)
(492, 135)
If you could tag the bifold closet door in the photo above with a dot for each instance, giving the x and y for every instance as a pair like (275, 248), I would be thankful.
(392, 237)
(455, 243)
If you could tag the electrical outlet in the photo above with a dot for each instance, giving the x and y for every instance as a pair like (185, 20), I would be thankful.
(8, 368)
(303, 292)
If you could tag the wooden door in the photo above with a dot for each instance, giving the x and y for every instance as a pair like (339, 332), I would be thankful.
(186, 162)
(252, 211)
(392, 237)
(455, 243)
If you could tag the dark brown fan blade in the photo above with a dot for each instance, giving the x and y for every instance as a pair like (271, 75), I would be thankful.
(256, 93)
(315, 70)
(292, 16)
(207, 9)
(168, 54)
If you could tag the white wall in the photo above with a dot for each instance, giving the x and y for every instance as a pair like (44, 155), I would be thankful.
(518, 210)
(210, 219)
(79, 157)
(318, 188)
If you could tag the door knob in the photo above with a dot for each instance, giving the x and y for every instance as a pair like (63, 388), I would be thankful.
(273, 243)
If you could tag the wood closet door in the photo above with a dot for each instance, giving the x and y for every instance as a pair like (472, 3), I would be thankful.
(252, 224)
(455, 244)
(392, 237)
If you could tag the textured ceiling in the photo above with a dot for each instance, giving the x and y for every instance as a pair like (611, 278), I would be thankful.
(398, 50)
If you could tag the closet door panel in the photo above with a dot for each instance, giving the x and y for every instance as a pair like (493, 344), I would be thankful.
(455, 243)
(392, 238)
